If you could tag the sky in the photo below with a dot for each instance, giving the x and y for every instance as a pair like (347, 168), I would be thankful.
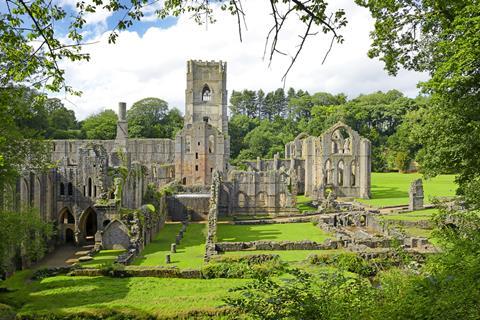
(149, 60)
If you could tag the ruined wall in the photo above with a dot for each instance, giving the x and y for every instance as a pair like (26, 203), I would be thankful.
(339, 160)
(259, 192)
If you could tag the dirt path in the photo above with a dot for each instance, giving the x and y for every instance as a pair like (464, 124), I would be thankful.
(62, 256)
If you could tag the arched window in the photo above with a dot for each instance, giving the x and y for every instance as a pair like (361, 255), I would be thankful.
(70, 189)
(188, 144)
(242, 200)
(328, 172)
(340, 171)
(89, 187)
(211, 144)
(353, 173)
(62, 189)
(206, 93)
(334, 147)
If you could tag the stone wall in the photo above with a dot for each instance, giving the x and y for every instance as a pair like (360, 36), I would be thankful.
(210, 249)
(251, 192)
(277, 245)
(339, 159)
(184, 206)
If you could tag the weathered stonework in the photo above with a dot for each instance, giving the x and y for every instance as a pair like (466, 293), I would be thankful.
(416, 195)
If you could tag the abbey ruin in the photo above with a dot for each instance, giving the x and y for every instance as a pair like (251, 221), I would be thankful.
(97, 189)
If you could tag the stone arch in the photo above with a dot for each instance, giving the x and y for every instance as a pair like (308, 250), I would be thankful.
(340, 173)
(24, 193)
(353, 173)
(206, 93)
(341, 138)
(211, 144)
(88, 224)
(242, 200)
(115, 236)
(69, 236)
(328, 172)
(65, 216)
(261, 199)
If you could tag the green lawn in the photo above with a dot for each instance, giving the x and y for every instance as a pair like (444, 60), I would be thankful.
(303, 204)
(274, 232)
(290, 256)
(411, 216)
(102, 257)
(390, 189)
(189, 254)
(152, 296)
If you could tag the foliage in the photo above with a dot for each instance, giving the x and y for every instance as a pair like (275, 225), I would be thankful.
(101, 126)
(21, 133)
(23, 232)
(439, 37)
(150, 118)
(303, 296)
(242, 267)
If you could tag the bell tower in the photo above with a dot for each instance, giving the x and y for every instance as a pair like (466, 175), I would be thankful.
(206, 94)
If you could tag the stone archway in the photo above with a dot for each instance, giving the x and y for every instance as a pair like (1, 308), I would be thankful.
(88, 224)
(69, 236)
(66, 221)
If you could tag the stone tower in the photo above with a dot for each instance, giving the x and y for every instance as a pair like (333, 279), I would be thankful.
(203, 145)
(206, 94)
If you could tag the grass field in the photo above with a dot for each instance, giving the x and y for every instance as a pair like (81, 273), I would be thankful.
(411, 216)
(189, 254)
(153, 296)
(274, 232)
(102, 257)
(303, 204)
(390, 189)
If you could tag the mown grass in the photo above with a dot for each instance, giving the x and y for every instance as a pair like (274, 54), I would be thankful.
(190, 251)
(273, 232)
(391, 189)
(411, 216)
(160, 297)
(101, 258)
(304, 204)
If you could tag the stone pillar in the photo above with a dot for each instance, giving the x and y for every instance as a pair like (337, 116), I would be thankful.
(259, 164)
(365, 167)
(416, 195)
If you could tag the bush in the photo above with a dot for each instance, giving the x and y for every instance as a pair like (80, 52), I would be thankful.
(6, 312)
(350, 262)
(243, 267)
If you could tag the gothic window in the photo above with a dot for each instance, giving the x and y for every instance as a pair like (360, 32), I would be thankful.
(211, 144)
(206, 93)
(341, 169)
(353, 172)
(70, 189)
(62, 189)
(89, 187)
(242, 200)
(188, 144)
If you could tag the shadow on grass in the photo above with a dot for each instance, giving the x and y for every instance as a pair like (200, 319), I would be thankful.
(379, 192)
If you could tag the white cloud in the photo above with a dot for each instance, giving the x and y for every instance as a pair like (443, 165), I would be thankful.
(155, 63)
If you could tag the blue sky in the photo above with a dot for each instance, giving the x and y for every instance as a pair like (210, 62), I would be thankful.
(149, 59)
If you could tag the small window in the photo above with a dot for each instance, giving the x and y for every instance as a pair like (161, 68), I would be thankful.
(211, 170)
(196, 167)
(205, 119)
(196, 155)
(84, 192)
(206, 93)
(70, 189)
(94, 191)
(198, 143)
(62, 189)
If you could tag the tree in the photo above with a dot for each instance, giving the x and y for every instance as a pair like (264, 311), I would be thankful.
(101, 126)
(21, 133)
(146, 118)
(31, 49)
(439, 37)
(62, 123)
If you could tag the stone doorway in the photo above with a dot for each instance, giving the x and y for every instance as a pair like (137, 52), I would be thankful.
(69, 236)
(89, 225)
